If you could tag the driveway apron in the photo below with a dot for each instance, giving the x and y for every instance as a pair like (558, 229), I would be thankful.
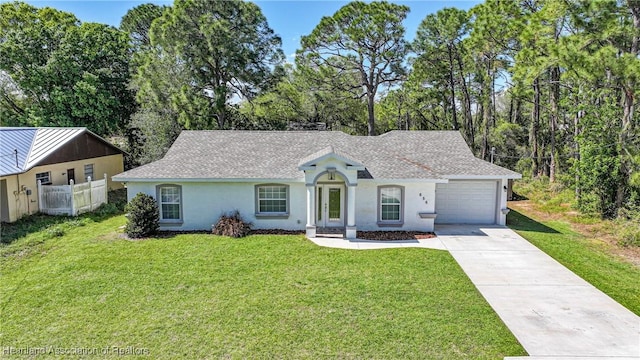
(552, 312)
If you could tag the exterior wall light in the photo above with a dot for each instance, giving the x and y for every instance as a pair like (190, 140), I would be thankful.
(332, 173)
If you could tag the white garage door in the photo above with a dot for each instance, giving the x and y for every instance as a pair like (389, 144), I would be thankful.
(466, 202)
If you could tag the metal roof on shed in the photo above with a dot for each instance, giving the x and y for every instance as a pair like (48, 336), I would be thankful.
(48, 140)
(15, 141)
(32, 145)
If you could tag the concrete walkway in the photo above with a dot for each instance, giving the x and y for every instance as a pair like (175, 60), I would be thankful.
(359, 244)
(552, 312)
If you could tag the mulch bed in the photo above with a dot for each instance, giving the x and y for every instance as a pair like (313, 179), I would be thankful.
(366, 235)
(394, 235)
(163, 234)
(276, 232)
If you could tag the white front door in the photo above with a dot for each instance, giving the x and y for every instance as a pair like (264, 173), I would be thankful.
(330, 210)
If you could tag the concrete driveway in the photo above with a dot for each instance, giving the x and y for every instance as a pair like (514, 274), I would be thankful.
(551, 311)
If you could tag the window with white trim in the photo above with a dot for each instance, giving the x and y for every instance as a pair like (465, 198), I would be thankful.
(44, 177)
(390, 205)
(88, 172)
(170, 202)
(272, 200)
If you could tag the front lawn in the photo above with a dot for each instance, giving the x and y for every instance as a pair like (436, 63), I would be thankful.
(264, 296)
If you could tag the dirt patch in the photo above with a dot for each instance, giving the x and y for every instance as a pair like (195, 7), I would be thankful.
(394, 235)
(601, 233)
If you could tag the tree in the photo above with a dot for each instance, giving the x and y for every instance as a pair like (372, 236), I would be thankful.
(137, 22)
(65, 73)
(224, 50)
(12, 106)
(296, 102)
(539, 64)
(491, 43)
(361, 41)
(154, 126)
(438, 45)
(602, 62)
(154, 132)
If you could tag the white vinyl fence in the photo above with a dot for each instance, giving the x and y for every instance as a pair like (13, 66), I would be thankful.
(72, 199)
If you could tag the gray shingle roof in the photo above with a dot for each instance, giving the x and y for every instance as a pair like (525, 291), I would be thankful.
(328, 151)
(208, 155)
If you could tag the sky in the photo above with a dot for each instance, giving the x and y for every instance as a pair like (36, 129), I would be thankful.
(289, 19)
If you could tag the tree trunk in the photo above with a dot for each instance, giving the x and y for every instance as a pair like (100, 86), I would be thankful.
(511, 110)
(486, 119)
(371, 124)
(535, 127)
(517, 115)
(486, 110)
(469, 131)
(483, 150)
(554, 98)
(453, 91)
(576, 155)
(221, 119)
(492, 74)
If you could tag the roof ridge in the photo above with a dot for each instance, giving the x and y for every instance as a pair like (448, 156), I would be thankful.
(26, 159)
(271, 131)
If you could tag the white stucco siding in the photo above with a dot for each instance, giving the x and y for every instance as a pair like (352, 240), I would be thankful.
(413, 206)
(203, 203)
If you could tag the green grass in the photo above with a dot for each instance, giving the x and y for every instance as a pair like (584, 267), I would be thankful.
(589, 260)
(56, 225)
(264, 296)
(550, 198)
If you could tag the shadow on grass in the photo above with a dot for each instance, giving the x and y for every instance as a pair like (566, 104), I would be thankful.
(518, 197)
(9, 232)
(518, 221)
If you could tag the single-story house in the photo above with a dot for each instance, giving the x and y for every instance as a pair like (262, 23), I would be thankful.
(402, 180)
(54, 156)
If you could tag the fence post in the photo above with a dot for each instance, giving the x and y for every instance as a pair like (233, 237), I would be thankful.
(73, 202)
(90, 193)
(40, 195)
(106, 189)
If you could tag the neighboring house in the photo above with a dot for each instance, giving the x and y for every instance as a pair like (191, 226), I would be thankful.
(402, 180)
(54, 156)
